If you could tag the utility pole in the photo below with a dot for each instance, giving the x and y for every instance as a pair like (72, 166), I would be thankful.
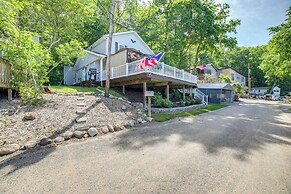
(111, 28)
(249, 79)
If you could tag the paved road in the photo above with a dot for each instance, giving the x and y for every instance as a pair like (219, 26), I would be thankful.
(244, 148)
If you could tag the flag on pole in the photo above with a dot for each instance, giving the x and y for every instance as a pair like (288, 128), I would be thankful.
(150, 61)
(201, 67)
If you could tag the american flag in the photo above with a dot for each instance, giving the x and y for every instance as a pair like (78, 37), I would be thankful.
(150, 61)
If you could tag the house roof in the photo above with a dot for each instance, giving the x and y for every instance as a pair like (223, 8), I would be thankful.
(222, 68)
(225, 86)
(104, 37)
(95, 53)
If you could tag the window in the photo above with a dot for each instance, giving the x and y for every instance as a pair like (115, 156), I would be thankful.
(208, 71)
(232, 76)
(119, 46)
(242, 79)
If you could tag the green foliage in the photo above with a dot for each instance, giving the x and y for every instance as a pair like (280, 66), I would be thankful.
(182, 103)
(238, 88)
(277, 60)
(161, 117)
(224, 78)
(160, 102)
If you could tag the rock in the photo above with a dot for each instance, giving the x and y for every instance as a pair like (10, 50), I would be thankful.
(9, 149)
(80, 98)
(30, 144)
(104, 129)
(45, 141)
(149, 119)
(29, 116)
(59, 139)
(139, 120)
(85, 135)
(118, 127)
(120, 98)
(144, 115)
(110, 128)
(81, 120)
(81, 112)
(130, 123)
(98, 100)
(128, 102)
(81, 104)
(92, 131)
(83, 128)
(78, 134)
(68, 135)
(123, 107)
(142, 122)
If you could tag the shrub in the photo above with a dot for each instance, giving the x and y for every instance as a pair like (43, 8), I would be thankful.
(177, 95)
(198, 101)
(167, 103)
(182, 103)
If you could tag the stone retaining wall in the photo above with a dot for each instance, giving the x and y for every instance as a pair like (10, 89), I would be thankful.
(177, 109)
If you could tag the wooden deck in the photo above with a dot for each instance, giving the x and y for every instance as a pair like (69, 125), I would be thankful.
(6, 76)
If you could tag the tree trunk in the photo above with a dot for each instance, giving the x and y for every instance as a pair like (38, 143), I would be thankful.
(107, 84)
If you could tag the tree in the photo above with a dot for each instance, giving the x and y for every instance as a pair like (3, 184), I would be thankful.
(224, 78)
(277, 60)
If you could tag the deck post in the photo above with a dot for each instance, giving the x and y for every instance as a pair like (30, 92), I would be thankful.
(168, 91)
(126, 68)
(9, 94)
(184, 92)
(144, 93)
(123, 89)
(101, 71)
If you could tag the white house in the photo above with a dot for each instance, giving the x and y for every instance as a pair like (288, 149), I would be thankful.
(95, 56)
(128, 49)
(264, 90)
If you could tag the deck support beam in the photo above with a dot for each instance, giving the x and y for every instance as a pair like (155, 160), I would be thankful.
(144, 93)
(184, 92)
(168, 91)
(9, 94)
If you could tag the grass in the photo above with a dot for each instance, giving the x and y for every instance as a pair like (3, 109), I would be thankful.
(85, 90)
(161, 117)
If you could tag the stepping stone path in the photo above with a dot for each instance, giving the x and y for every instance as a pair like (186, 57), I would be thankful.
(80, 100)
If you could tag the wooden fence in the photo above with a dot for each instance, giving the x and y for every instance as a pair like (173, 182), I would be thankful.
(5, 76)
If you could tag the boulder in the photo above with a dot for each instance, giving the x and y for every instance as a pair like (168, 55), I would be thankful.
(149, 119)
(29, 116)
(118, 127)
(92, 131)
(104, 129)
(123, 108)
(78, 134)
(83, 128)
(139, 120)
(85, 135)
(68, 135)
(45, 141)
(129, 123)
(98, 100)
(9, 149)
(59, 139)
(110, 128)
(30, 144)
(81, 120)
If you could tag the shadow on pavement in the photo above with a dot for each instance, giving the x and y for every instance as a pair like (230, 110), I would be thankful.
(243, 127)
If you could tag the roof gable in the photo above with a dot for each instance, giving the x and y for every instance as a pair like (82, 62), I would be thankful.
(104, 37)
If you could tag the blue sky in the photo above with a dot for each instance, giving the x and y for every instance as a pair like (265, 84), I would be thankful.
(256, 16)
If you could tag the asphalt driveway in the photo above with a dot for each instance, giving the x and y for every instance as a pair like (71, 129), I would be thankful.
(243, 148)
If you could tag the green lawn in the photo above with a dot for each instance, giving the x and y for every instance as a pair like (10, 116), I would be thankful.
(85, 90)
(161, 117)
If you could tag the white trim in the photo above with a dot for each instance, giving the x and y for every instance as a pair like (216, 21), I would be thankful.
(105, 37)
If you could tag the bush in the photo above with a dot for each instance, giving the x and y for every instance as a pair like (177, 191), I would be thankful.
(167, 103)
(182, 103)
(198, 101)
(177, 95)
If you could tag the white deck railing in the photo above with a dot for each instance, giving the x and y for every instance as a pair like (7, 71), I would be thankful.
(161, 69)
